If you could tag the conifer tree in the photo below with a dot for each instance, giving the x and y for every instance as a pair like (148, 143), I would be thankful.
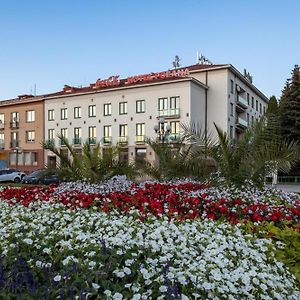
(290, 107)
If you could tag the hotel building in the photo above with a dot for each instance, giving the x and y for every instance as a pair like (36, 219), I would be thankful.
(125, 111)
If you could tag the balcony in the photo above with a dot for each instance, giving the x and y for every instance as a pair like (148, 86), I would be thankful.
(174, 138)
(14, 125)
(14, 144)
(140, 139)
(77, 141)
(123, 140)
(172, 112)
(51, 142)
(62, 143)
(242, 104)
(107, 140)
(92, 141)
(241, 123)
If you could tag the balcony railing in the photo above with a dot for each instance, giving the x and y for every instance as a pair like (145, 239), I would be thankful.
(92, 141)
(169, 112)
(140, 139)
(14, 124)
(174, 138)
(77, 141)
(107, 140)
(242, 102)
(51, 142)
(123, 140)
(241, 122)
(62, 143)
(14, 144)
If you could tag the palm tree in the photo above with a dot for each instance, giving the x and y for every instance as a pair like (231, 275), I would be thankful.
(89, 165)
(258, 152)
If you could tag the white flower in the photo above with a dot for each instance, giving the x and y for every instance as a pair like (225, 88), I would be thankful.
(95, 286)
(108, 293)
(136, 297)
(57, 278)
(163, 289)
(28, 241)
(127, 271)
(118, 296)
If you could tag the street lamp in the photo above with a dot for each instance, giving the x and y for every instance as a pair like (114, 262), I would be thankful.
(162, 131)
(17, 150)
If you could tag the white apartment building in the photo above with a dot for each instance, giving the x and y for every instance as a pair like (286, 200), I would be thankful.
(125, 111)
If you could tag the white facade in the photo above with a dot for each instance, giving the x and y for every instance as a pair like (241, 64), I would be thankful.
(115, 114)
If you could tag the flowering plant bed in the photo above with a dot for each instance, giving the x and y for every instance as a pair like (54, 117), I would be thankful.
(149, 241)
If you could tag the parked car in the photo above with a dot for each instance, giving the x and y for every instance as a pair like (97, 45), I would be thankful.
(11, 175)
(42, 176)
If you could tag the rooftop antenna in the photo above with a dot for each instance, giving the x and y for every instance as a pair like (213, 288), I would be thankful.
(176, 62)
(35, 89)
(202, 60)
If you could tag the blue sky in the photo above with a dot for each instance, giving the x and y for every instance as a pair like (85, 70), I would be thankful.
(57, 42)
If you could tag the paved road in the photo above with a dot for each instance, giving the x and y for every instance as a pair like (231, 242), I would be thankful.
(288, 187)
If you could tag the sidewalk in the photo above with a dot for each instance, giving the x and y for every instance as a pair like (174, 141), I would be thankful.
(287, 187)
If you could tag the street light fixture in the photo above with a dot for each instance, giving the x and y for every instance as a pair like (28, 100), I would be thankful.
(162, 131)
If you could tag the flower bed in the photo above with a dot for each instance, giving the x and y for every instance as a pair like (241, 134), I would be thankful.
(49, 251)
(119, 240)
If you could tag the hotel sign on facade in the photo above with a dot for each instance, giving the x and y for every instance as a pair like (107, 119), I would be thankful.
(114, 81)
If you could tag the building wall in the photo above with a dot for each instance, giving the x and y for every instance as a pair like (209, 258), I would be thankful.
(150, 94)
(30, 153)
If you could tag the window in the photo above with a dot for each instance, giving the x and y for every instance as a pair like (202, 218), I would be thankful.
(252, 102)
(51, 115)
(168, 107)
(1, 120)
(174, 105)
(92, 135)
(107, 134)
(14, 139)
(123, 108)
(252, 119)
(256, 105)
(248, 119)
(51, 134)
(175, 129)
(231, 132)
(34, 158)
(63, 133)
(1, 140)
(231, 109)
(77, 112)
(107, 109)
(140, 106)
(30, 136)
(64, 114)
(92, 110)
(77, 136)
(231, 86)
(13, 158)
(260, 108)
(14, 120)
(264, 109)
(123, 133)
(27, 158)
(30, 116)
(140, 132)
(248, 98)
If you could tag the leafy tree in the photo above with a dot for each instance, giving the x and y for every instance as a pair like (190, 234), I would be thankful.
(89, 165)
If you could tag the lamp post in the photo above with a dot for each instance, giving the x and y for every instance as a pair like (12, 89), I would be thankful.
(17, 151)
(162, 131)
